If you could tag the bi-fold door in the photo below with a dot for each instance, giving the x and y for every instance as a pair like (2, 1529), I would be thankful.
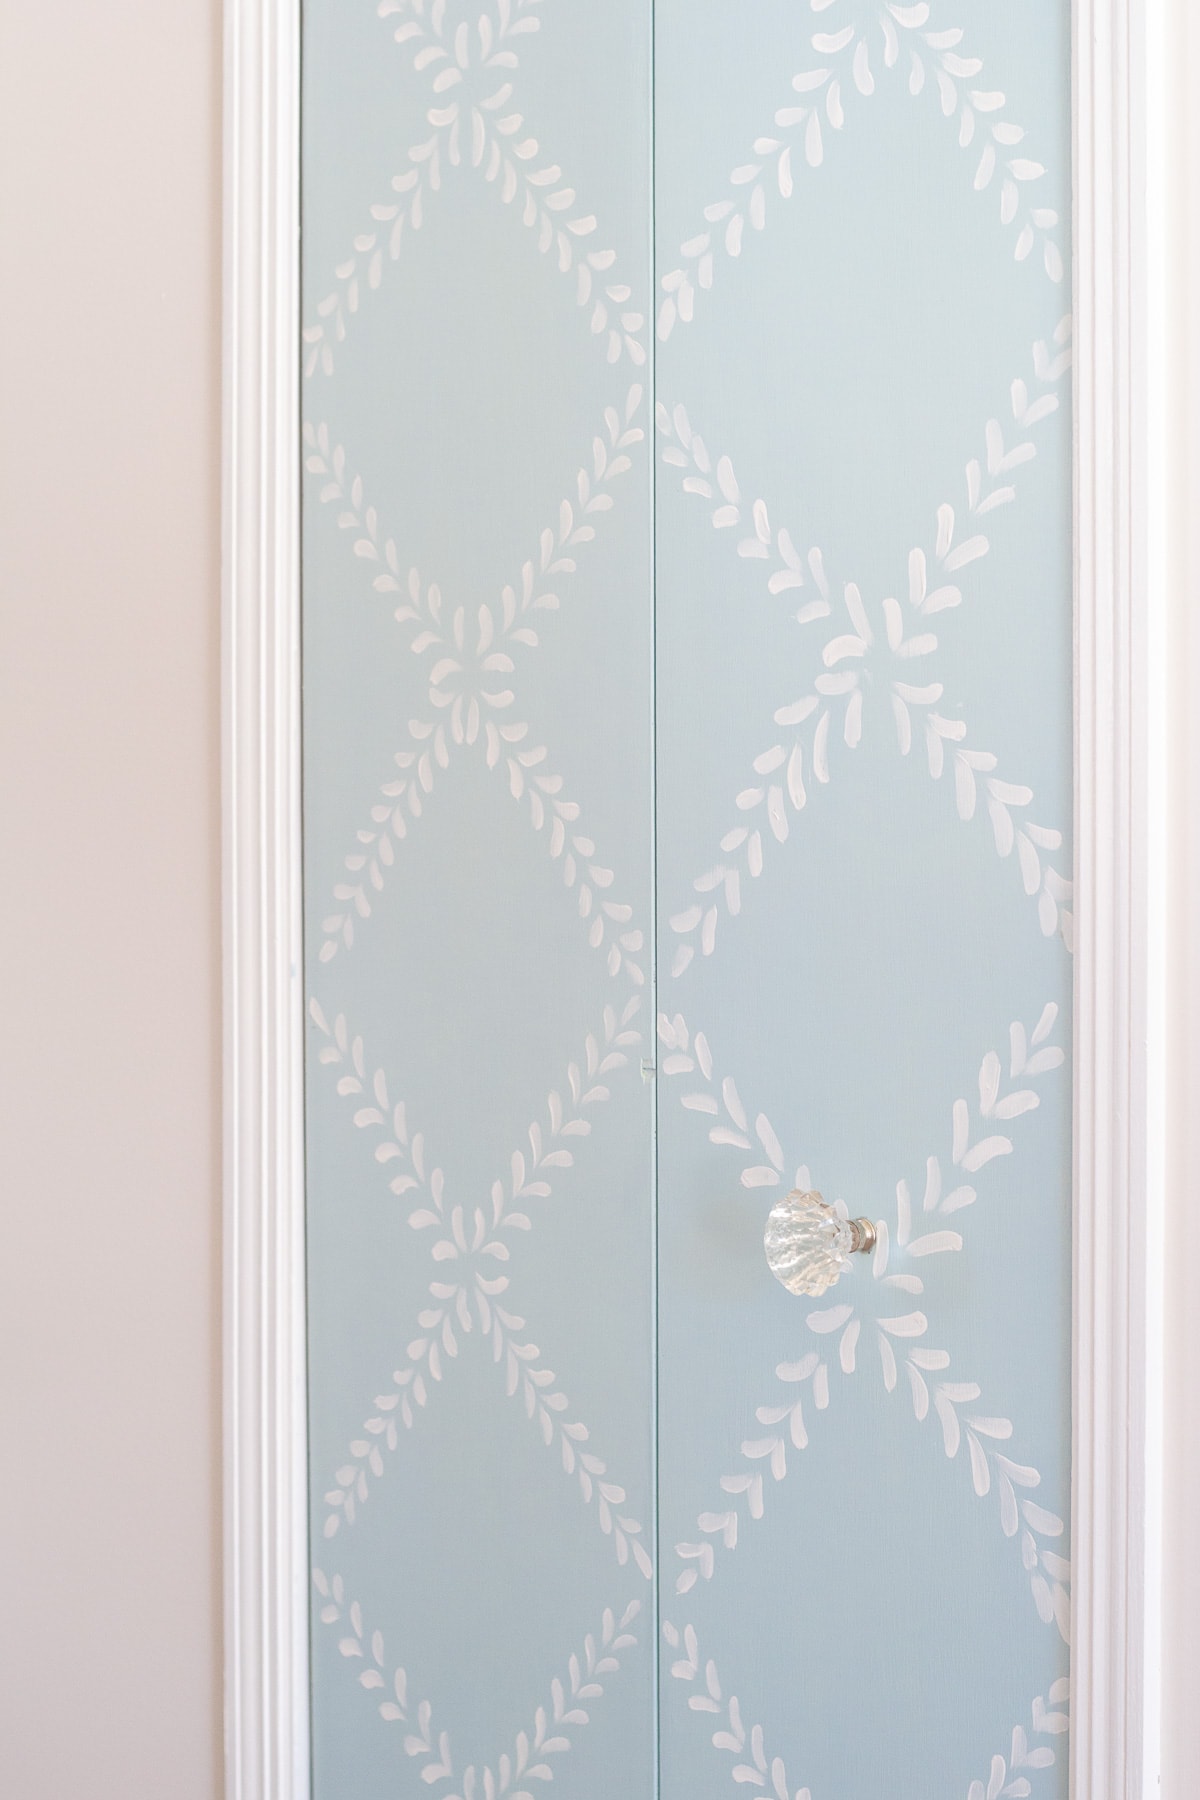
(687, 789)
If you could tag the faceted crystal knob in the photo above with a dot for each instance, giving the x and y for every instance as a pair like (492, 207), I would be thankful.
(809, 1245)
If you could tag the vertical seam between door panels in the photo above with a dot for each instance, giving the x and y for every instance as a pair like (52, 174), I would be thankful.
(301, 9)
(655, 1658)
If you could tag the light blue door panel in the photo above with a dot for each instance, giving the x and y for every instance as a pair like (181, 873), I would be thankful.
(478, 841)
(863, 538)
(687, 803)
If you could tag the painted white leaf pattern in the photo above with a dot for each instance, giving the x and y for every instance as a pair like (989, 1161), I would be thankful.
(453, 1161)
(687, 732)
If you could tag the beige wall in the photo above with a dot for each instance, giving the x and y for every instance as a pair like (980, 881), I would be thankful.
(109, 1052)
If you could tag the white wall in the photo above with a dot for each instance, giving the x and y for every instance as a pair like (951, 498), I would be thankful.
(109, 1052)
(109, 1070)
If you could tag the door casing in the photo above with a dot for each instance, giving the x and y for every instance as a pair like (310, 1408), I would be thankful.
(1118, 67)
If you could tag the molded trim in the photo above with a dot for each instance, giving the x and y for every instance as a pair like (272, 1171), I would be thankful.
(266, 1526)
(1120, 889)
(1118, 63)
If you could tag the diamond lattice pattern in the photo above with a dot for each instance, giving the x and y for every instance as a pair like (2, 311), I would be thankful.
(687, 780)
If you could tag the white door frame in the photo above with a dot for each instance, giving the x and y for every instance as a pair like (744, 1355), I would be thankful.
(1118, 70)
(265, 1424)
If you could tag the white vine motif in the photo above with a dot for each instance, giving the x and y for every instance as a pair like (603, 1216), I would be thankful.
(732, 1736)
(1049, 1573)
(477, 1245)
(528, 1379)
(1005, 1778)
(1006, 1781)
(541, 790)
(889, 654)
(354, 1643)
(507, 622)
(458, 1241)
(984, 490)
(342, 1051)
(528, 1762)
(420, 174)
(1030, 1057)
(548, 1737)
(467, 682)
(687, 1056)
(501, 147)
(404, 1154)
(822, 92)
(401, 803)
(609, 922)
(464, 727)
(497, 148)
(604, 1053)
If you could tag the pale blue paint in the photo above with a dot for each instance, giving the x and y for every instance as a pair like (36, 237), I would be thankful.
(847, 361)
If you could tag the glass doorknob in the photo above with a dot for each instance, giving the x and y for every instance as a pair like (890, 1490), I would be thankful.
(809, 1245)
